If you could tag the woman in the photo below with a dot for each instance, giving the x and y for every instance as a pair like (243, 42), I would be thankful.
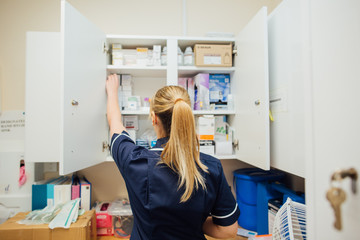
(175, 191)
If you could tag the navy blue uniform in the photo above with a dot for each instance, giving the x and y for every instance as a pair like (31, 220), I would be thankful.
(155, 198)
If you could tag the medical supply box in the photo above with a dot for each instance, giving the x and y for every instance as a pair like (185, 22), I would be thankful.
(83, 229)
(103, 220)
(213, 55)
(219, 88)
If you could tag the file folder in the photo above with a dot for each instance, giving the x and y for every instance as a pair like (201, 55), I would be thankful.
(75, 187)
(85, 194)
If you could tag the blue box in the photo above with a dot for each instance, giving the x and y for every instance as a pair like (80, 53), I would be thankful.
(246, 182)
(267, 191)
(219, 88)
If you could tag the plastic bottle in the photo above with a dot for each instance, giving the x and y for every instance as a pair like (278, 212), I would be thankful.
(188, 57)
(230, 102)
(180, 57)
(164, 57)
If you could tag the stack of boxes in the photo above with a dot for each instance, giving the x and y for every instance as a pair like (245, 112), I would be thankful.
(213, 135)
(206, 133)
(126, 99)
(141, 56)
(207, 91)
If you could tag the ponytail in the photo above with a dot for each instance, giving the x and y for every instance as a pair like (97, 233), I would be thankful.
(181, 153)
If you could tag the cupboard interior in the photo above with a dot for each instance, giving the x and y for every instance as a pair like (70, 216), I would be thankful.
(108, 184)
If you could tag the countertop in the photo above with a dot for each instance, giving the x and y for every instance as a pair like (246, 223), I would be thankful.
(207, 237)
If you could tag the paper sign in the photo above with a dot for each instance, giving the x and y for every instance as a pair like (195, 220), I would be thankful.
(12, 125)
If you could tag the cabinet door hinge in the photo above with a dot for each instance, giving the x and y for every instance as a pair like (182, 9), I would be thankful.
(106, 49)
(236, 144)
(235, 50)
(105, 146)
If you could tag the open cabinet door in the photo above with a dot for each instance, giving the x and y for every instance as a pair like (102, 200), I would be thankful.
(83, 74)
(42, 97)
(250, 87)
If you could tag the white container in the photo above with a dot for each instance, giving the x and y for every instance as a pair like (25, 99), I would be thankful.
(164, 57)
(180, 57)
(117, 55)
(156, 56)
(188, 57)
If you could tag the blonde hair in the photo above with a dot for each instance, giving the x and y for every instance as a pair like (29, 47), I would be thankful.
(181, 153)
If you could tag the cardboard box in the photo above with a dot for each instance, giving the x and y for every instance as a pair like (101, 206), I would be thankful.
(83, 229)
(206, 127)
(207, 147)
(213, 55)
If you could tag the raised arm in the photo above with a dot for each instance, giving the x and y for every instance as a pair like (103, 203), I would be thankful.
(113, 110)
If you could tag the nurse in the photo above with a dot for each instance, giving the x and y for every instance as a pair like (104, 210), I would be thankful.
(175, 191)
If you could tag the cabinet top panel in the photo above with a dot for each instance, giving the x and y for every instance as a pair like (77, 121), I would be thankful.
(139, 40)
(191, 41)
(131, 41)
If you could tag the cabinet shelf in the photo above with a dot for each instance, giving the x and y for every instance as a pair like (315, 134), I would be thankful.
(139, 71)
(134, 112)
(187, 71)
(133, 41)
(214, 112)
(196, 112)
(221, 157)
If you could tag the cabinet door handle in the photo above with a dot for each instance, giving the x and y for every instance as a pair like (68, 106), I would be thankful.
(74, 103)
(257, 102)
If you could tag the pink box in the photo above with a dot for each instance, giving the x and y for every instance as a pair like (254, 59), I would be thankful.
(191, 91)
(104, 225)
(202, 97)
(182, 82)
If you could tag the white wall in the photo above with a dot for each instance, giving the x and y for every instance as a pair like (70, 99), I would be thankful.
(136, 17)
(139, 17)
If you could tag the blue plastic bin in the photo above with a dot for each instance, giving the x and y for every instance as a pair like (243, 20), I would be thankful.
(246, 180)
(245, 183)
(248, 216)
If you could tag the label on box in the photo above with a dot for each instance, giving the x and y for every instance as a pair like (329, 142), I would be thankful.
(206, 127)
(219, 55)
(131, 122)
(212, 59)
(219, 87)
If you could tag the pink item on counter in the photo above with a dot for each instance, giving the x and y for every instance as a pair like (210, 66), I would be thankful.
(22, 176)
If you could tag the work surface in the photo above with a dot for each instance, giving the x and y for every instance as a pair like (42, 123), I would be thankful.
(209, 238)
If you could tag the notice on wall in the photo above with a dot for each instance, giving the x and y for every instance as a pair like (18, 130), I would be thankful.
(12, 125)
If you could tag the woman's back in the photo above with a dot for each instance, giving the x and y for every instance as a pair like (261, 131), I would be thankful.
(155, 198)
(172, 191)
